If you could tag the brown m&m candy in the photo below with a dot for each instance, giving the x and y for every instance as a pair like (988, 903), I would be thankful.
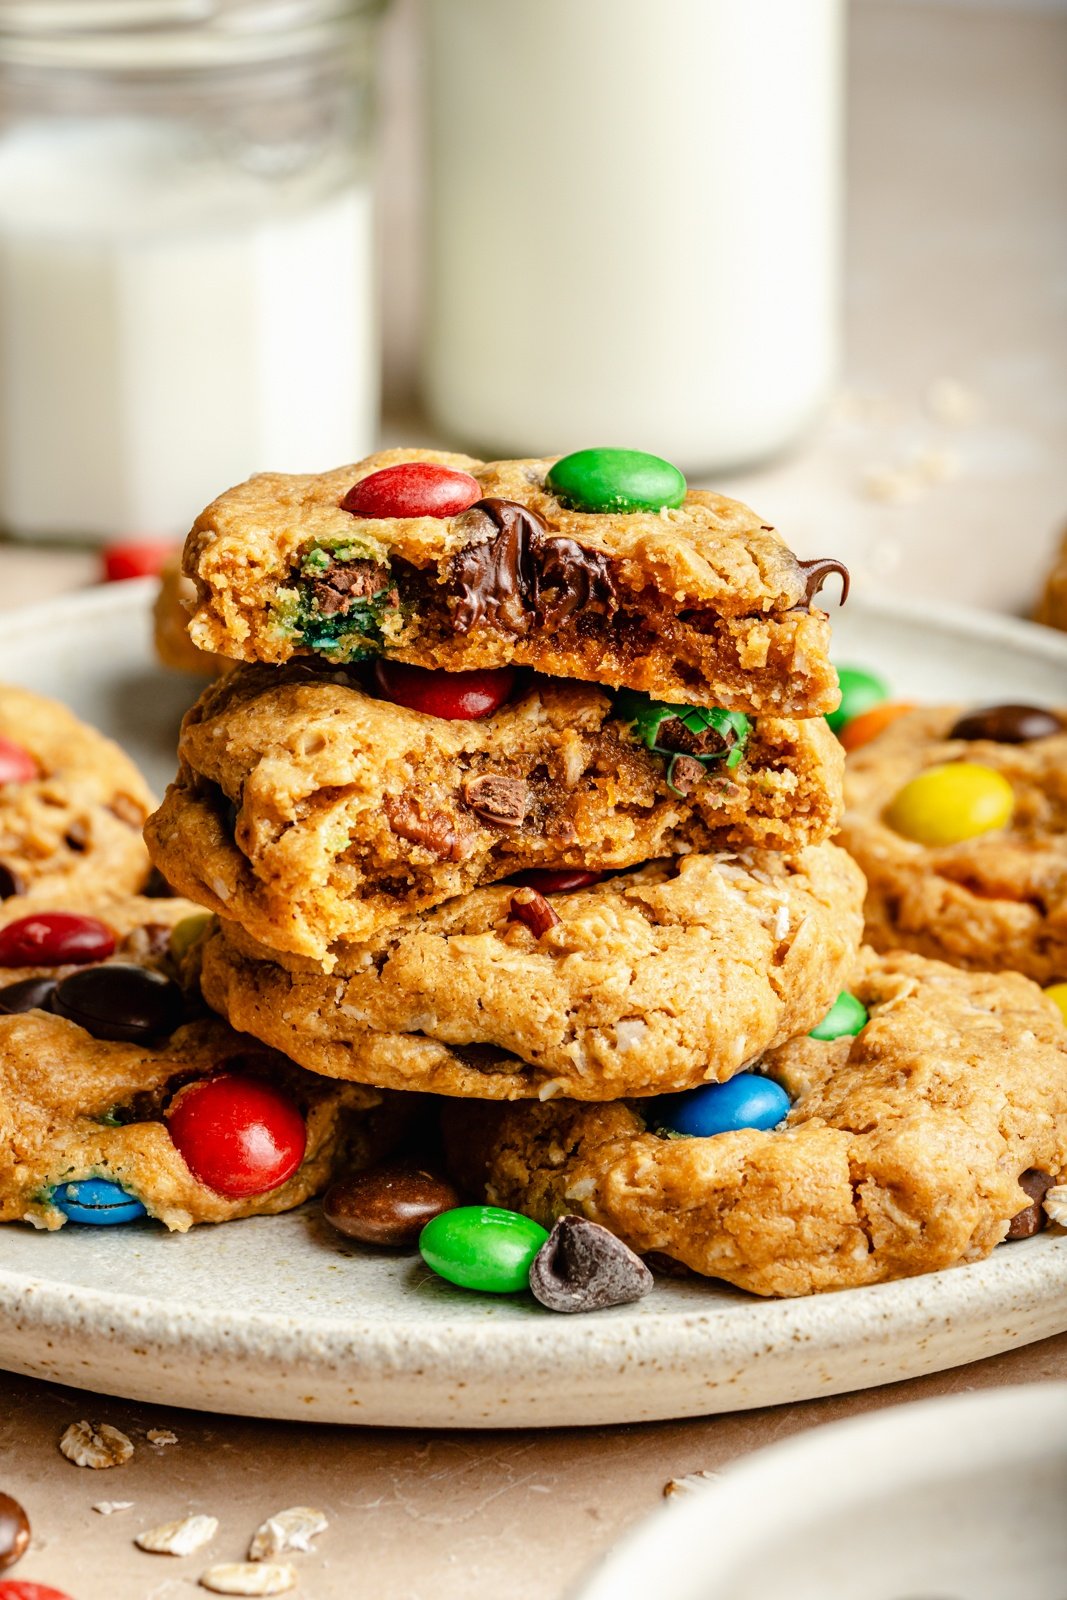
(388, 1205)
(1007, 724)
(14, 1532)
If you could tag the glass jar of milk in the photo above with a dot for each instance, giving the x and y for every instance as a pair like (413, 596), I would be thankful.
(633, 223)
(186, 271)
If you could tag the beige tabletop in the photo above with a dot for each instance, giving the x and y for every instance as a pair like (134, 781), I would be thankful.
(939, 472)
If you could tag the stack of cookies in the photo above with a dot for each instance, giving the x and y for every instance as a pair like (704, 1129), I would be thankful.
(520, 793)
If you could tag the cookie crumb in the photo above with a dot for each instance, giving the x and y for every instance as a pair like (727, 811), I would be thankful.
(108, 1508)
(96, 1447)
(182, 1538)
(293, 1529)
(688, 1483)
(161, 1436)
(249, 1577)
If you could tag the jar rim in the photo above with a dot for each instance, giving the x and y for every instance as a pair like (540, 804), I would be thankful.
(170, 35)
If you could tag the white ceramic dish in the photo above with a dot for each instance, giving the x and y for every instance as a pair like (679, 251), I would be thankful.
(958, 1499)
(279, 1317)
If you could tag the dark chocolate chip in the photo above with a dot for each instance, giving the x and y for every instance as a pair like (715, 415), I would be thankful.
(10, 882)
(14, 1532)
(1008, 724)
(664, 1266)
(499, 799)
(514, 574)
(672, 734)
(583, 1267)
(387, 1205)
(119, 1001)
(816, 573)
(30, 994)
(1026, 1223)
(532, 909)
(344, 582)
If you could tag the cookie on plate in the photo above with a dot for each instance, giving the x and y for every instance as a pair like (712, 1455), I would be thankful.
(672, 975)
(903, 1152)
(1052, 607)
(447, 562)
(121, 1096)
(312, 812)
(72, 806)
(959, 821)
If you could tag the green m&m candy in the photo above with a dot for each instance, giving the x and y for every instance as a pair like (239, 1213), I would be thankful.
(615, 480)
(860, 690)
(482, 1247)
(846, 1015)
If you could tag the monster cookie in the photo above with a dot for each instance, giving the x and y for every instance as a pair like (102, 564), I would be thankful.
(602, 566)
(959, 820)
(912, 1145)
(170, 624)
(72, 806)
(1052, 608)
(120, 1096)
(668, 976)
(310, 811)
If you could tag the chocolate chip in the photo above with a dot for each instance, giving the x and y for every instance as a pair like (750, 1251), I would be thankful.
(118, 1001)
(673, 734)
(10, 882)
(76, 837)
(345, 582)
(515, 574)
(387, 1205)
(498, 799)
(30, 994)
(817, 571)
(1008, 724)
(14, 1532)
(1026, 1223)
(531, 908)
(583, 1267)
(663, 1266)
(684, 773)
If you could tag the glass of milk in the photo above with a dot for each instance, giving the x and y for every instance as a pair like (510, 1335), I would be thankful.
(633, 223)
(186, 262)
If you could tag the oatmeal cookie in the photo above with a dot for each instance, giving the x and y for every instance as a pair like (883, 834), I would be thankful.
(902, 1154)
(311, 812)
(993, 901)
(98, 1040)
(72, 806)
(700, 603)
(170, 624)
(670, 976)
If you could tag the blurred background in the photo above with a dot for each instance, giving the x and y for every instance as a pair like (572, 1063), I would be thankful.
(813, 251)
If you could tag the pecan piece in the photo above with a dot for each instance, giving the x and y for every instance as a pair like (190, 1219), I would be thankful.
(498, 799)
(435, 829)
(531, 908)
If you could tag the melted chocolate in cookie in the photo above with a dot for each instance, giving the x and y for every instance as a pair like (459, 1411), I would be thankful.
(817, 571)
(522, 575)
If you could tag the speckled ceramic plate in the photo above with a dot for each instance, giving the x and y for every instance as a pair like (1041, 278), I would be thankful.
(280, 1318)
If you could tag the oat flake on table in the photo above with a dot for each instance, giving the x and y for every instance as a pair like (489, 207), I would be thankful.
(249, 1577)
(293, 1529)
(182, 1538)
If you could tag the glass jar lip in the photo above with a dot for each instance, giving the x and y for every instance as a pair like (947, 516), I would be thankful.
(170, 35)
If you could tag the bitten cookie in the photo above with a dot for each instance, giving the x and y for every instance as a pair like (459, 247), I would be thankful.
(100, 1045)
(669, 976)
(1052, 607)
(72, 806)
(170, 624)
(311, 812)
(691, 598)
(968, 864)
(902, 1153)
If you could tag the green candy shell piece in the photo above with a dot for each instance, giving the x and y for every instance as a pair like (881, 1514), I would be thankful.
(846, 1015)
(616, 480)
(185, 933)
(860, 690)
(482, 1247)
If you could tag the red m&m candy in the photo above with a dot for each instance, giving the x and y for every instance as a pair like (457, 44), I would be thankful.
(238, 1136)
(19, 1589)
(54, 939)
(461, 696)
(413, 489)
(135, 558)
(16, 764)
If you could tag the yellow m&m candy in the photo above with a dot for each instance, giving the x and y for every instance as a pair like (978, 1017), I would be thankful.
(1058, 992)
(950, 803)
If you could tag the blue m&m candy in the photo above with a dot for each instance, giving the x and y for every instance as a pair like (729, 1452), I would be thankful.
(747, 1101)
(97, 1202)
